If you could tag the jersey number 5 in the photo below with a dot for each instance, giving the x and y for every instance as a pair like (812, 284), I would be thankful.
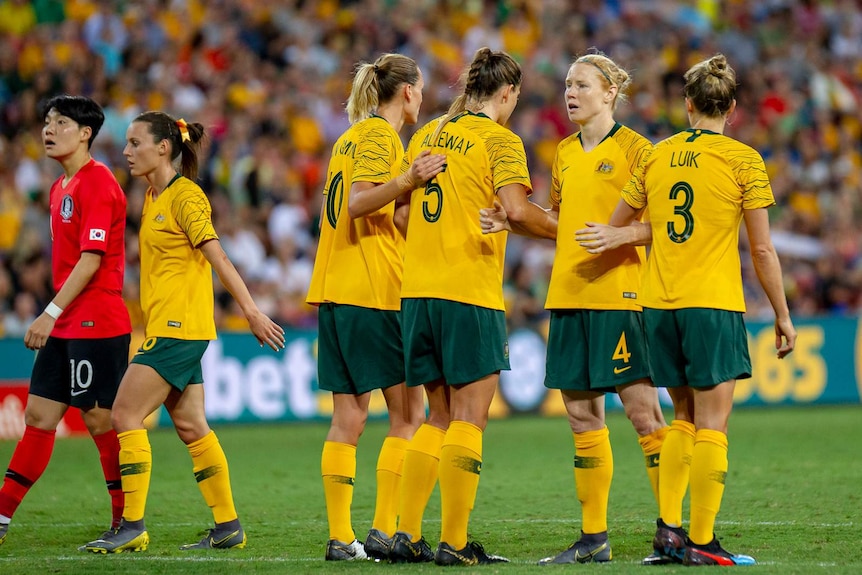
(431, 209)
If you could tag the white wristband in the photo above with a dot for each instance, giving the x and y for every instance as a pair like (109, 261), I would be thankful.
(53, 310)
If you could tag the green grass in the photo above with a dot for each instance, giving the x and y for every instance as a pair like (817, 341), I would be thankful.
(792, 500)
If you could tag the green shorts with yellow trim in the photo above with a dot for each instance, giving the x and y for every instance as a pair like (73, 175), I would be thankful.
(178, 361)
(458, 342)
(698, 347)
(358, 349)
(595, 350)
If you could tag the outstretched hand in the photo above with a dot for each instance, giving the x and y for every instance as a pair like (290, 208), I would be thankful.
(266, 331)
(494, 219)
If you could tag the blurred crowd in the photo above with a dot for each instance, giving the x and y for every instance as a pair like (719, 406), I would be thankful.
(269, 80)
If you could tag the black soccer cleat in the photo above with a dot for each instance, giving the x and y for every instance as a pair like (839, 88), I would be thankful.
(472, 554)
(123, 538)
(377, 545)
(403, 550)
(340, 551)
(592, 548)
(668, 545)
(219, 538)
(713, 554)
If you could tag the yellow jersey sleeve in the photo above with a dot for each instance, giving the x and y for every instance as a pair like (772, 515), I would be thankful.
(751, 174)
(193, 213)
(375, 149)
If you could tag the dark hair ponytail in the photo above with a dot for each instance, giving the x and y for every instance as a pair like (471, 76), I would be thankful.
(185, 139)
(488, 72)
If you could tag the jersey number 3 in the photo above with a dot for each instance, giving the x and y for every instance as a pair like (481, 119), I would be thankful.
(684, 211)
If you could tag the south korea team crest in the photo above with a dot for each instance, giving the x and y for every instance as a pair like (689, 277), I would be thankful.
(67, 206)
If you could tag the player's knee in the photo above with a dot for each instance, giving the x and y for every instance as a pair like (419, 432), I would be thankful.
(645, 421)
(347, 429)
(98, 421)
(40, 420)
(119, 420)
(191, 430)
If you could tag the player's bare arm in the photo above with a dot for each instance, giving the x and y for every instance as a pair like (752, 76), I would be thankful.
(264, 329)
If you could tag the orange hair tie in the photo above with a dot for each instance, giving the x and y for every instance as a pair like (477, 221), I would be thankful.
(184, 130)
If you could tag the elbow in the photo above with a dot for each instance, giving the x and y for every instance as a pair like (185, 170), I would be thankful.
(763, 254)
(400, 222)
(517, 215)
(353, 209)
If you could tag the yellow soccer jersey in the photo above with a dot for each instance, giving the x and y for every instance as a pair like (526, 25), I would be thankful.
(697, 184)
(447, 256)
(586, 188)
(176, 278)
(359, 261)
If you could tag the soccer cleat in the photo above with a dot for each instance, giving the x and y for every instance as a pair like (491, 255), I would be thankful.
(123, 538)
(339, 551)
(592, 548)
(712, 554)
(668, 545)
(4, 529)
(217, 538)
(403, 550)
(377, 545)
(472, 554)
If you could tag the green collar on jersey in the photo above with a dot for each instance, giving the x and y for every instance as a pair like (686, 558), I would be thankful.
(610, 134)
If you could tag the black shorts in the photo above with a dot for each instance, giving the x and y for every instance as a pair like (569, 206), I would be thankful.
(82, 373)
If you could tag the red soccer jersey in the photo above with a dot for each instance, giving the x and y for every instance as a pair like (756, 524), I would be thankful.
(89, 214)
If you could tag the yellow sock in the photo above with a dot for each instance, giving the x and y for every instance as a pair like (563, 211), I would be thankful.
(460, 465)
(389, 465)
(418, 477)
(136, 461)
(674, 470)
(651, 446)
(708, 474)
(338, 468)
(594, 469)
(211, 472)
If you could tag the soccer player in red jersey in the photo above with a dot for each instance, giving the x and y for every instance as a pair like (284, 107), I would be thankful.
(83, 335)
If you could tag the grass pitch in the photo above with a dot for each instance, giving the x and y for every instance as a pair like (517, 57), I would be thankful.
(792, 500)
